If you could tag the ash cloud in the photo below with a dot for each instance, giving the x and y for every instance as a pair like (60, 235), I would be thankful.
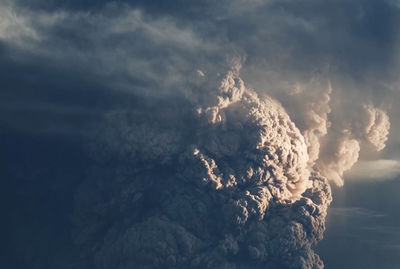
(376, 127)
(334, 133)
(367, 128)
(227, 186)
(194, 168)
(221, 179)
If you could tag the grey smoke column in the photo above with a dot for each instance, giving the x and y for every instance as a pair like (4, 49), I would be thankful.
(214, 184)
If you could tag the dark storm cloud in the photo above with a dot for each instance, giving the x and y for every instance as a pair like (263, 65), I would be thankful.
(72, 60)
(293, 40)
(36, 96)
(345, 33)
(106, 44)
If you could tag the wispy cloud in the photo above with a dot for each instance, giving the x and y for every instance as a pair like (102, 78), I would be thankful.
(374, 170)
(354, 212)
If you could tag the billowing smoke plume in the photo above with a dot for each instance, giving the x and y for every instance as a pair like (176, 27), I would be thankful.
(334, 144)
(341, 150)
(225, 180)
(215, 184)
(342, 156)
(310, 108)
(376, 127)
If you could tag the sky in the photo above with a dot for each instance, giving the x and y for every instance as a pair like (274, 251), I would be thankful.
(125, 124)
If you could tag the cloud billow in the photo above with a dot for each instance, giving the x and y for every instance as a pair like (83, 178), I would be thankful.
(193, 167)
(236, 193)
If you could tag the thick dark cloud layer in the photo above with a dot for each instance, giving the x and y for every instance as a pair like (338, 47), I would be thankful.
(133, 96)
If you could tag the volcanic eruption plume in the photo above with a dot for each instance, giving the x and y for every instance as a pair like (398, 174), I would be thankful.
(226, 181)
